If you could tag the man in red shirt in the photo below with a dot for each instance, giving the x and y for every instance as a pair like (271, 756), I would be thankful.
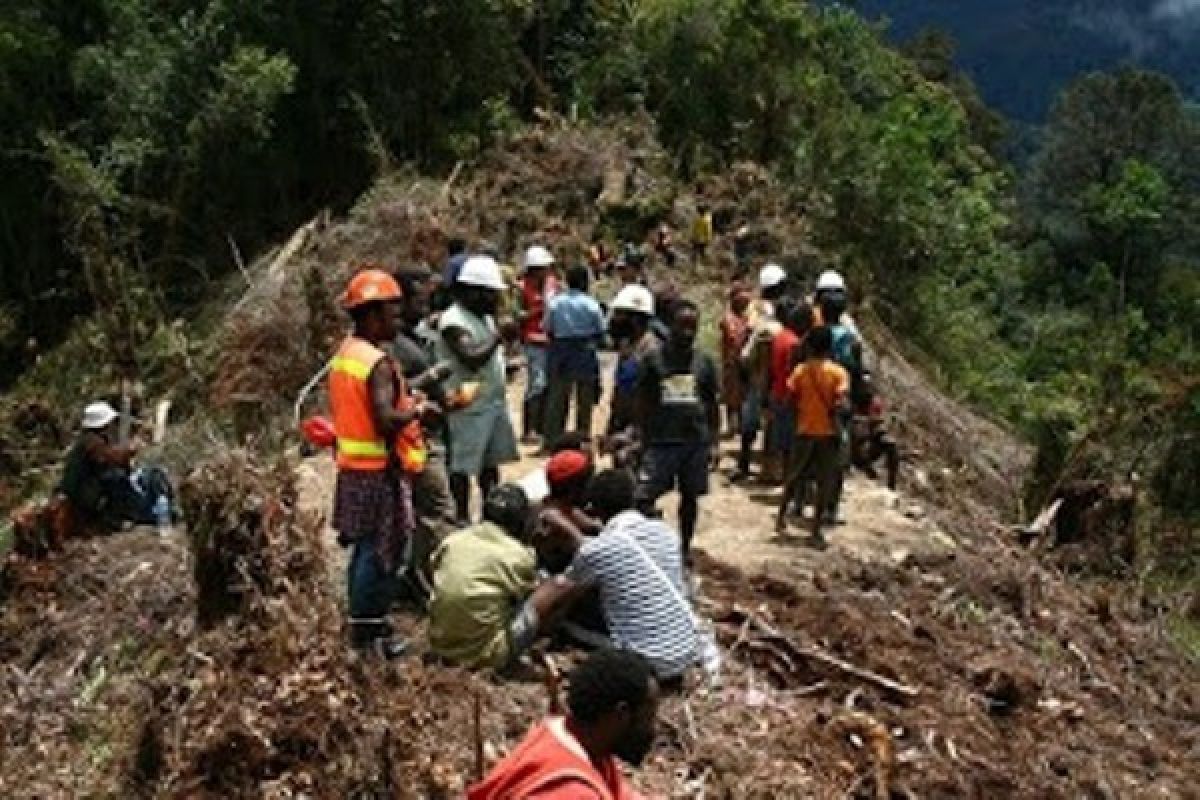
(537, 286)
(612, 701)
(796, 319)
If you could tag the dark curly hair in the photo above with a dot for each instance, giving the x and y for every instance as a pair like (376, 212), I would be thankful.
(611, 492)
(507, 506)
(604, 680)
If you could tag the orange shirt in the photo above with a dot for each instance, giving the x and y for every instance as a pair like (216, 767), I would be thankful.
(819, 386)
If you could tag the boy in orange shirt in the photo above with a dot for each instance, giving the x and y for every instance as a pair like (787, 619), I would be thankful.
(820, 389)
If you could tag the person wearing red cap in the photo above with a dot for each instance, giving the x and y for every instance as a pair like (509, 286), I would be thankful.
(568, 474)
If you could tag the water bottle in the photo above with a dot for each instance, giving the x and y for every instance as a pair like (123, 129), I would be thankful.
(162, 515)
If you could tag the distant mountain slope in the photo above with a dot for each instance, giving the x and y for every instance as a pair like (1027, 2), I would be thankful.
(1021, 52)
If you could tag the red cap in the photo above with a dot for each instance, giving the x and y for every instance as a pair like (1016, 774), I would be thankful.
(566, 466)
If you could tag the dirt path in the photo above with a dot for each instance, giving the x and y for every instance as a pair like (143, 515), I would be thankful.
(737, 521)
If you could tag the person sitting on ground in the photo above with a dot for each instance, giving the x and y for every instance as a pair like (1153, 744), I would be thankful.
(870, 439)
(820, 388)
(568, 474)
(102, 489)
(482, 577)
(612, 705)
(535, 484)
(636, 565)
(677, 420)
(575, 324)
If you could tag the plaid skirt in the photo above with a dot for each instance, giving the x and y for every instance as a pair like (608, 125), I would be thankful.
(374, 505)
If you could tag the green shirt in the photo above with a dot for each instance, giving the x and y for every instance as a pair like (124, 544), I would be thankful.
(490, 376)
(481, 575)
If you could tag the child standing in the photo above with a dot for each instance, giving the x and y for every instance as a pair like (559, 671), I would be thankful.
(820, 389)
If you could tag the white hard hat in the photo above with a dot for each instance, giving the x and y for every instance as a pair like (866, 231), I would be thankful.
(98, 416)
(538, 256)
(830, 281)
(771, 276)
(482, 271)
(634, 298)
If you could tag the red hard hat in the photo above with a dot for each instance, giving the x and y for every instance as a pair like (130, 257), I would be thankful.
(370, 285)
(319, 431)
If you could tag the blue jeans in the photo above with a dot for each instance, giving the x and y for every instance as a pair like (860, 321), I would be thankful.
(371, 587)
(535, 364)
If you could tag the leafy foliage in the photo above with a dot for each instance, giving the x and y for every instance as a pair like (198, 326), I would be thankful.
(146, 137)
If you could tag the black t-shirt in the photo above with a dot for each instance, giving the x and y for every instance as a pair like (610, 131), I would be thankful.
(677, 388)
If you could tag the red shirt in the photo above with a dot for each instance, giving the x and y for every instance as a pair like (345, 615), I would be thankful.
(550, 764)
(783, 348)
(533, 303)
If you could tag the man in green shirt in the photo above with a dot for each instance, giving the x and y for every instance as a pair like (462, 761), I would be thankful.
(482, 576)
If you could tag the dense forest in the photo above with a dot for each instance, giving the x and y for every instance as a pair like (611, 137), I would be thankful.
(149, 143)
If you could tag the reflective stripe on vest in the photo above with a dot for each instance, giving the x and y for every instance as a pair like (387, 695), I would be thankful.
(359, 446)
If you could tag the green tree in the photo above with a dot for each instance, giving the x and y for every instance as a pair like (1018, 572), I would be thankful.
(1127, 218)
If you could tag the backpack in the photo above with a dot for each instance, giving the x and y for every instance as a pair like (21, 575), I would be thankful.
(847, 350)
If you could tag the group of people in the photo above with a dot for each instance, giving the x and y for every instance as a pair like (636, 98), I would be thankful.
(417, 396)
(573, 552)
(420, 413)
(418, 400)
(794, 364)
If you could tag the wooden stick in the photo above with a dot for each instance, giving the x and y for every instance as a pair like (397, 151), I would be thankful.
(237, 259)
(477, 732)
(830, 660)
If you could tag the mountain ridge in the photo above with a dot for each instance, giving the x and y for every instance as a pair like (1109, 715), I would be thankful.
(1021, 53)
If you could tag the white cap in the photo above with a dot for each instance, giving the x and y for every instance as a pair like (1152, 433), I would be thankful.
(98, 416)
(771, 276)
(634, 298)
(830, 281)
(482, 271)
(538, 256)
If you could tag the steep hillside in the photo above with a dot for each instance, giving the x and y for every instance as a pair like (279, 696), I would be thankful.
(958, 665)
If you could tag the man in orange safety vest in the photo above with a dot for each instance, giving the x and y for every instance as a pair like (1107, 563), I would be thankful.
(377, 423)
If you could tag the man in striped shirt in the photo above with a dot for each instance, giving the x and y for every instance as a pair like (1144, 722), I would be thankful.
(637, 566)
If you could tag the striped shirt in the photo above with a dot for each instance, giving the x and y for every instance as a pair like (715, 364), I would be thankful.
(637, 565)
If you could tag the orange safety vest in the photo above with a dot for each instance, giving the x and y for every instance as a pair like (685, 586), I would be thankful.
(359, 446)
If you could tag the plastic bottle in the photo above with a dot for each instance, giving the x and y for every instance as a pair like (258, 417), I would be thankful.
(162, 514)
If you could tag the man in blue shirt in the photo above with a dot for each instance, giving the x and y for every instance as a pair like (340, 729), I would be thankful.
(574, 326)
